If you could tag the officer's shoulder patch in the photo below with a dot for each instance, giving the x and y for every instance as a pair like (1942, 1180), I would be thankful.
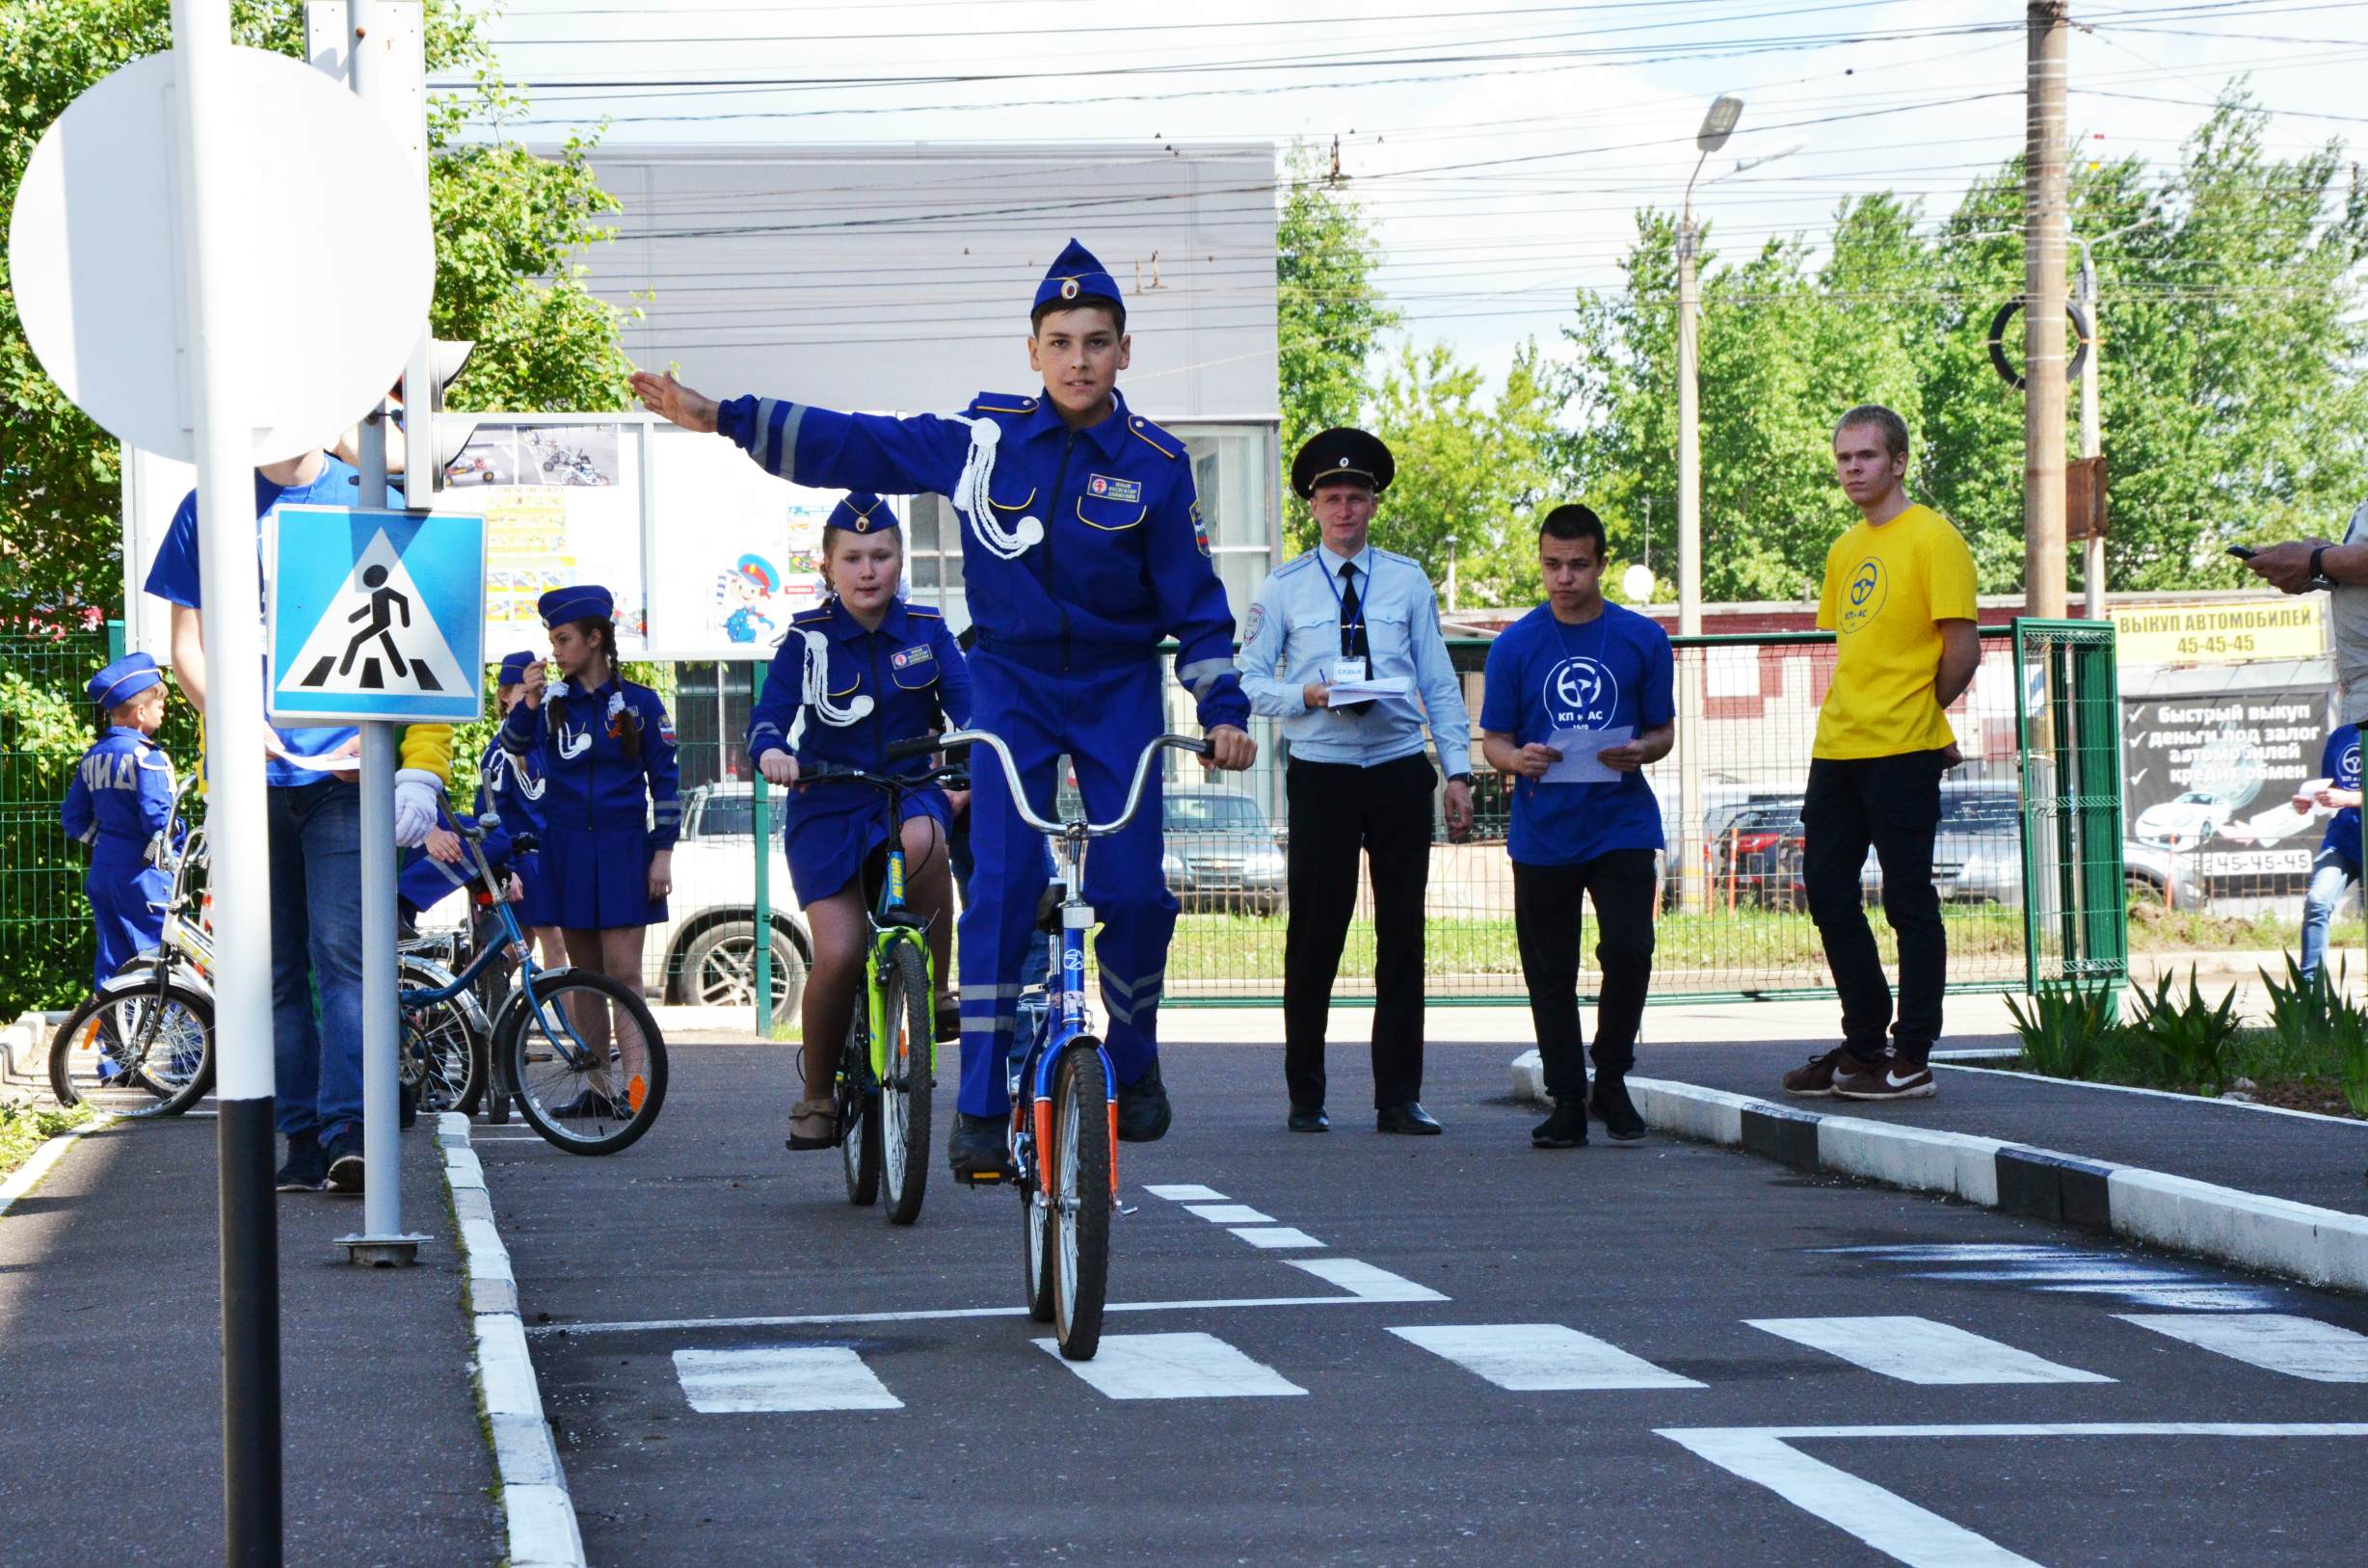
(1153, 437)
(923, 612)
(1002, 403)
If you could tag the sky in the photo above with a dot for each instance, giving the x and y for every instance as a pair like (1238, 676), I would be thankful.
(1502, 147)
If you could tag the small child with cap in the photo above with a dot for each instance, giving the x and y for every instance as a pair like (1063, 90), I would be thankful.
(119, 801)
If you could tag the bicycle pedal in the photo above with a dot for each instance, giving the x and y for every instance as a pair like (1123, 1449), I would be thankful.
(1124, 1210)
(983, 1178)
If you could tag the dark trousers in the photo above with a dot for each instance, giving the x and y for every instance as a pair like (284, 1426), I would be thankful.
(1337, 810)
(1547, 921)
(1892, 803)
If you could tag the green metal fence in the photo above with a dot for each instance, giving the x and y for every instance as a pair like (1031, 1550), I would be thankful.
(2068, 716)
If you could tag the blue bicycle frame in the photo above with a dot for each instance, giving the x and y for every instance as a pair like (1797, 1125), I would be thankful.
(578, 1054)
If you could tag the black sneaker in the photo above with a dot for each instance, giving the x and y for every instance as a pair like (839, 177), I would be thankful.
(1565, 1129)
(979, 1148)
(589, 1105)
(1613, 1108)
(1143, 1112)
(344, 1154)
(305, 1169)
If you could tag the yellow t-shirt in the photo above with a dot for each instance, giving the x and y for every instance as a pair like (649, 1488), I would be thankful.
(1885, 588)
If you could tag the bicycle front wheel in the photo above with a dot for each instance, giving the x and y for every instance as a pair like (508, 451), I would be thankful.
(858, 1113)
(443, 1056)
(905, 1084)
(1080, 1213)
(141, 1052)
(584, 1059)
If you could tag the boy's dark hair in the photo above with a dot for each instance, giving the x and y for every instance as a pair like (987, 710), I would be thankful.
(1893, 427)
(627, 727)
(1084, 302)
(1573, 521)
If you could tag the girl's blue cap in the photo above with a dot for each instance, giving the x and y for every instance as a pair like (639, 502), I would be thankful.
(514, 668)
(586, 601)
(860, 512)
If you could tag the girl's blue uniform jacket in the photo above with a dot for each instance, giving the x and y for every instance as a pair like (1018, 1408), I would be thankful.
(907, 679)
(120, 799)
(610, 800)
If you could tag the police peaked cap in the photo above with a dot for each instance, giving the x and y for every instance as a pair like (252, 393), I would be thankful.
(514, 668)
(1075, 276)
(124, 680)
(860, 512)
(586, 601)
(1342, 452)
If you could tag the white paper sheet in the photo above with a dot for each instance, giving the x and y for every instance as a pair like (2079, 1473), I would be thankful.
(1359, 691)
(1579, 764)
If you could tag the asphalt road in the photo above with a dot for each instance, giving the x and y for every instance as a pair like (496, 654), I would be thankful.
(1477, 1351)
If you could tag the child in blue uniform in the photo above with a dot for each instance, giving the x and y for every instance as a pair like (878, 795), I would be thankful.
(120, 799)
(1082, 549)
(860, 671)
(605, 750)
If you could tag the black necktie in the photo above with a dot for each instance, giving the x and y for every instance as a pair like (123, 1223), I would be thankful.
(1353, 642)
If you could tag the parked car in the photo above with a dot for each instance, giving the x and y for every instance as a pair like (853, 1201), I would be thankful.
(1756, 856)
(705, 953)
(1221, 852)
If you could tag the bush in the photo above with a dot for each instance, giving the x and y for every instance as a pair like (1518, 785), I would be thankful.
(2182, 1039)
(2069, 1031)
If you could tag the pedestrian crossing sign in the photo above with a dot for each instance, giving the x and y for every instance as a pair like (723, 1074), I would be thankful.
(375, 616)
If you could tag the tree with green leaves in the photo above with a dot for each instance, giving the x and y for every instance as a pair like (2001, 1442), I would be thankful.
(1329, 314)
(1470, 468)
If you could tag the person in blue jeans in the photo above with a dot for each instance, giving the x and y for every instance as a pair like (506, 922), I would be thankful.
(314, 819)
(2336, 868)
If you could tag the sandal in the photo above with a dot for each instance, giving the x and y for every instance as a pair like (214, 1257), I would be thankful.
(813, 1124)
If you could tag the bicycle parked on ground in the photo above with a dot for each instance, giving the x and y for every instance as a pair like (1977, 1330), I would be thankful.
(578, 1050)
(1064, 1102)
(887, 1066)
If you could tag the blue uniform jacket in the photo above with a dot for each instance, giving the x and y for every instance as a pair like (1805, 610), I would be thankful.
(510, 786)
(1121, 559)
(121, 798)
(588, 781)
(910, 671)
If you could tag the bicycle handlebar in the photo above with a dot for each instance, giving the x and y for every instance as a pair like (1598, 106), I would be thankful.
(955, 739)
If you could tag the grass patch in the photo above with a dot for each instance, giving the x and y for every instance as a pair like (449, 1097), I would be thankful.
(24, 1129)
(2155, 928)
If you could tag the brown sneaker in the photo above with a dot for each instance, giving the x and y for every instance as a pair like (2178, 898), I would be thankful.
(1813, 1079)
(1894, 1078)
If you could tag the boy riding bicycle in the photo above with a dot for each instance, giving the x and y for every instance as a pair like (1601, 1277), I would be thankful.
(1082, 548)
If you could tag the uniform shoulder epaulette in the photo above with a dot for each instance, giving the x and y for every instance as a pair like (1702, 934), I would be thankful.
(1002, 403)
(811, 617)
(1295, 563)
(1153, 437)
(924, 612)
(1391, 555)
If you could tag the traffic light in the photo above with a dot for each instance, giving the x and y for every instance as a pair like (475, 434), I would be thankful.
(436, 438)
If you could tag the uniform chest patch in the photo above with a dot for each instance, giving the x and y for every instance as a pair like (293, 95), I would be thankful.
(1104, 487)
(906, 659)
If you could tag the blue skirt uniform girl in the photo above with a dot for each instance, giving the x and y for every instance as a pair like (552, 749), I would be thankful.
(862, 671)
(120, 800)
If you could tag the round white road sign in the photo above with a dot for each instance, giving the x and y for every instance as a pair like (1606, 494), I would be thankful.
(341, 261)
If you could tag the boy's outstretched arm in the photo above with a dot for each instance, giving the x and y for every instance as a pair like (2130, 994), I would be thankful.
(821, 447)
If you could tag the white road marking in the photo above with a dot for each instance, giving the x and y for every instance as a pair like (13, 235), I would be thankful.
(1229, 1214)
(1539, 1356)
(775, 1379)
(1891, 1524)
(1275, 1235)
(1184, 1191)
(1365, 1282)
(1402, 1290)
(2278, 1342)
(2179, 1297)
(1920, 1350)
(2049, 1273)
(1174, 1366)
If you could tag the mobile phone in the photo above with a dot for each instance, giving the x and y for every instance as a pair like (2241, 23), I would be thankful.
(2242, 552)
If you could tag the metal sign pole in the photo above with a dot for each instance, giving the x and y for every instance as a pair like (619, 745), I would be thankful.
(208, 156)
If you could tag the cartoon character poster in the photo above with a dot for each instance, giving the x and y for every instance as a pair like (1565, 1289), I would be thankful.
(734, 552)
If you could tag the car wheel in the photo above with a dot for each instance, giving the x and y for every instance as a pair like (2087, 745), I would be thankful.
(719, 968)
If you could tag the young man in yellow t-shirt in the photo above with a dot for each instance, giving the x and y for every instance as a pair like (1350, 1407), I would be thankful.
(1899, 600)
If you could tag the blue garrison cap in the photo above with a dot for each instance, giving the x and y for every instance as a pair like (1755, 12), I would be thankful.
(585, 601)
(124, 679)
(514, 668)
(1075, 276)
(860, 512)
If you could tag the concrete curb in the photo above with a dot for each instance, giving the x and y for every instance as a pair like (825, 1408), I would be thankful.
(24, 1056)
(534, 1485)
(2321, 1246)
(28, 1176)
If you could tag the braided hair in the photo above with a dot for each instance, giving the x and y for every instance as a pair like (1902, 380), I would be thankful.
(625, 726)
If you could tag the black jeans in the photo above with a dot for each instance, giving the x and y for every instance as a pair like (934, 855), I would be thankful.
(1339, 810)
(1547, 922)
(1892, 803)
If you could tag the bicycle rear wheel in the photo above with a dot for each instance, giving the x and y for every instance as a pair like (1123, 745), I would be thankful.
(905, 1086)
(443, 1053)
(588, 1066)
(136, 1052)
(1080, 1216)
(859, 1111)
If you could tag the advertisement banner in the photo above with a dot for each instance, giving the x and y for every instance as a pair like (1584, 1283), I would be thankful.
(2213, 775)
(2228, 634)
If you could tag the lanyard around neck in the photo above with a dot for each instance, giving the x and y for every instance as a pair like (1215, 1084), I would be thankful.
(1364, 596)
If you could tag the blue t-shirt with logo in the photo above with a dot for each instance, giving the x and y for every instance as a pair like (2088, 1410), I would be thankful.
(2340, 765)
(1614, 671)
(174, 578)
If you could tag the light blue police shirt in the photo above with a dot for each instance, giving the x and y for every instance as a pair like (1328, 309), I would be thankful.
(1292, 637)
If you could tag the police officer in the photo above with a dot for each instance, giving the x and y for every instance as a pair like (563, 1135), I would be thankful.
(119, 801)
(1342, 616)
(1082, 548)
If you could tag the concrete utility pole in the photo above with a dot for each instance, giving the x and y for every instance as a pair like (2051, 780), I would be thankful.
(2044, 227)
(2091, 435)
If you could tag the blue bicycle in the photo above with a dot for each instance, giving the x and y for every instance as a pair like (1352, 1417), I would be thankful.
(1064, 1102)
(578, 1050)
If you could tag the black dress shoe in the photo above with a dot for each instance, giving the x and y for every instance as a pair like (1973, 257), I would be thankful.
(1310, 1121)
(1143, 1112)
(1409, 1117)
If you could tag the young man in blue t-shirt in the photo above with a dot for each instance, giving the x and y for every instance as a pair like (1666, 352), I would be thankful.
(2337, 865)
(1579, 681)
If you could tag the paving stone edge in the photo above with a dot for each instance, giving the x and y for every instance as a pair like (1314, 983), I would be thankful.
(2321, 1246)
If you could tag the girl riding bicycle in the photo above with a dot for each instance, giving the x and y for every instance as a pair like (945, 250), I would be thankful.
(860, 671)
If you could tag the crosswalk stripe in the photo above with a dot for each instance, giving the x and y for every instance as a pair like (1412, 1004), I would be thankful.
(2277, 1342)
(777, 1378)
(1537, 1356)
(1174, 1366)
(1364, 1281)
(1229, 1214)
(1186, 1191)
(1920, 1350)
(1275, 1235)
